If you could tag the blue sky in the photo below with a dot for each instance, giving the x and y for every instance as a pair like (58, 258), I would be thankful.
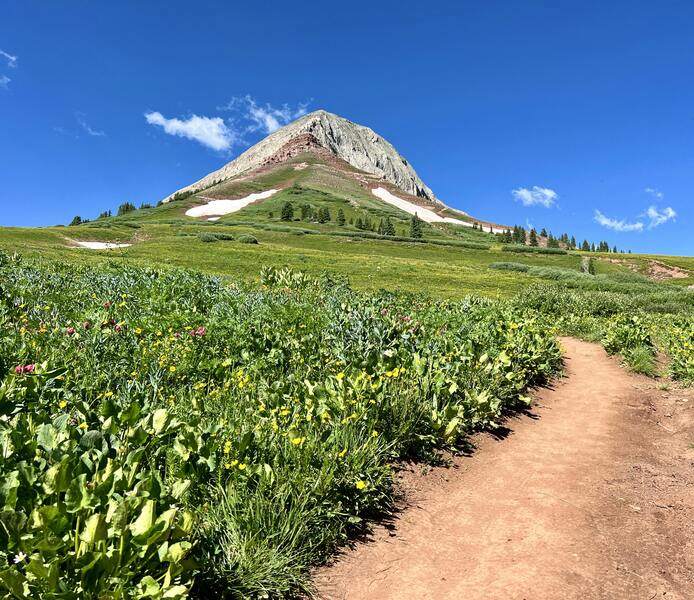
(575, 116)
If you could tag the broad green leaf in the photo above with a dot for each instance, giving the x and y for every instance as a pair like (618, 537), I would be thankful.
(94, 530)
(145, 521)
(177, 552)
(77, 496)
(160, 420)
(47, 437)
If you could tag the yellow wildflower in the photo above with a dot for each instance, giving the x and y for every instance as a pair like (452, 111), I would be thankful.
(360, 485)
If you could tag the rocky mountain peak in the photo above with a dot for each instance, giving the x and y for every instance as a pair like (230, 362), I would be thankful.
(322, 131)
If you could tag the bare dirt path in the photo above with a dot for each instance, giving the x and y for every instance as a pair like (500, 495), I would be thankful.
(591, 495)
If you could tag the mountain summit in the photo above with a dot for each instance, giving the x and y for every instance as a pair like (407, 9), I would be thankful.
(326, 133)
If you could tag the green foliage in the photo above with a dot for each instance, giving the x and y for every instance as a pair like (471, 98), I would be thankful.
(287, 213)
(629, 335)
(175, 427)
(534, 249)
(245, 238)
(125, 208)
(679, 344)
(208, 237)
(86, 511)
(76, 221)
(416, 227)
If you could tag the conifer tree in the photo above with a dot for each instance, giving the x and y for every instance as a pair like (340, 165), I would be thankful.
(416, 227)
(533, 237)
(287, 213)
(340, 217)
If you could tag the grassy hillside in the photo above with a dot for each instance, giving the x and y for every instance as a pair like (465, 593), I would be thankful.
(169, 433)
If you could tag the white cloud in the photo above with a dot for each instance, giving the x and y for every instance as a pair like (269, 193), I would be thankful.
(11, 60)
(536, 196)
(655, 193)
(617, 224)
(209, 131)
(83, 123)
(265, 118)
(4, 81)
(659, 217)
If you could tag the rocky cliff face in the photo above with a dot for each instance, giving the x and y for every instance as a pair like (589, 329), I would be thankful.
(357, 145)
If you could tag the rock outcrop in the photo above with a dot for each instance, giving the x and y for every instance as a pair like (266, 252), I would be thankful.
(357, 145)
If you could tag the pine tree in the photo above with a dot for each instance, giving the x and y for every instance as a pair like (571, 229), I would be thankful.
(76, 221)
(359, 224)
(533, 237)
(126, 207)
(585, 246)
(381, 227)
(340, 217)
(416, 227)
(543, 233)
(390, 228)
(323, 214)
(287, 212)
(573, 243)
(306, 212)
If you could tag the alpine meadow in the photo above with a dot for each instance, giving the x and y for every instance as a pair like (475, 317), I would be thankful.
(304, 375)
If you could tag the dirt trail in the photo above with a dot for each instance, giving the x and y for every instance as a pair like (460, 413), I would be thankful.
(591, 495)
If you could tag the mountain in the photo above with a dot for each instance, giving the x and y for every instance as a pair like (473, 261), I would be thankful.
(359, 146)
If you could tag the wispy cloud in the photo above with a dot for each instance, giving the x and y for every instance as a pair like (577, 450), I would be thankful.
(658, 217)
(617, 224)
(84, 125)
(657, 194)
(262, 117)
(4, 81)
(537, 196)
(208, 131)
(11, 60)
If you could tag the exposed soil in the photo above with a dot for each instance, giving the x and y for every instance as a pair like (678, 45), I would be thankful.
(660, 271)
(588, 495)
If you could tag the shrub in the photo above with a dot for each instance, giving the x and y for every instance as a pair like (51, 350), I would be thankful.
(247, 239)
(208, 237)
(534, 249)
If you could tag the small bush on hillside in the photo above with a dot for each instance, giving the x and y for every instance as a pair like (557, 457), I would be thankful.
(247, 239)
(510, 266)
(534, 249)
(207, 237)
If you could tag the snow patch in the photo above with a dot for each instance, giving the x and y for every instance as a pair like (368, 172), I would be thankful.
(101, 245)
(428, 216)
(218, 208)
(214, 218)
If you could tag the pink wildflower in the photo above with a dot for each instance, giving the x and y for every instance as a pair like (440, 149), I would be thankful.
(70, 331)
